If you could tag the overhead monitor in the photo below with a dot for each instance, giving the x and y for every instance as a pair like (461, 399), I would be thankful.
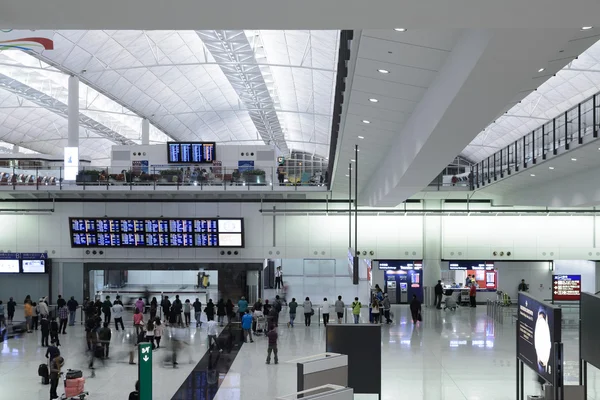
(34, 266)
(9, 266)
(191, 152)
(157, 232)
(566, 287)
(539, 328)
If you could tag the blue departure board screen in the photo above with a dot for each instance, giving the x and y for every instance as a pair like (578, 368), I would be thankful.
(191, 152)
(157, 232)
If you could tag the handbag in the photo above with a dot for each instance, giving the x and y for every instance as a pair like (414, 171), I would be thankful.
(419, 318)
(312, 311)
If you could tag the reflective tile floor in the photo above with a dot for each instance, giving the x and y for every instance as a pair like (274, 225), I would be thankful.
(460, 355)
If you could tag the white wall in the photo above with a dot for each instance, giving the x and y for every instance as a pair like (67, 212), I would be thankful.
(536, 274)
(168, 277)
(587, 270)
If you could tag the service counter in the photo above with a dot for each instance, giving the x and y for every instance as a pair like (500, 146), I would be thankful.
(483, 294)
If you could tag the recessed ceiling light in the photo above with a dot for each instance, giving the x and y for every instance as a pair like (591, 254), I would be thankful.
(400, 29)
(347, 176)
(373, 100)
(361, 137)
(550, 167)
(364, 121)
(531, 174)
(353, 160)
(383, 71)
(541, 69)
(573, 159)
(586, 28)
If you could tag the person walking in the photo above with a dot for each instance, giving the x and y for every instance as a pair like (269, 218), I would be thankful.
(28, 313)
(272, 335)
(339, 309)
(242, 307)
(210, 310)
(308, 311)
(187, 312)
(375, 310)
(140, 305)
(138, 321)
(247, 326)
(45, 328)
(258, 305)
(221, 312)
(104, 335)
(292, 306)
(158, 331)
(439, 292)
(72, 304)
(386, 308)
(229, 309)
(212, 331)
(10, 308)
(415, 309)
(63, 316)
(117, 312)
(106, 306)
(325, 312)
(356, 306)
(166, 308)
(55, 366)
(472, 295)
(34, 316)
(150, 329)
(198, 312)
(153, 308)
(267, 307)
(54, 331)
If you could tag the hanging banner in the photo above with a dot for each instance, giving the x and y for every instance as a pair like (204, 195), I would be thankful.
(27, 40)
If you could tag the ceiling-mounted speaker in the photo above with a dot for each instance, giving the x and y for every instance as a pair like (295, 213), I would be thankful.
(508, 253)
(495, 253)
(229, 253)
(222, 252)
(372, 253)
(364, 252)
(236, 253)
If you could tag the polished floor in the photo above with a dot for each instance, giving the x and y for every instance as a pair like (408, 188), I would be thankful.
(462, 355)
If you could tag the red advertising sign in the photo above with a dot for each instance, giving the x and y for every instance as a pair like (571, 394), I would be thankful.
(566, 287)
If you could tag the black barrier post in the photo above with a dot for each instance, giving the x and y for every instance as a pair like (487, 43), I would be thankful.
(517, 377)
(522, 381)
(581, 361)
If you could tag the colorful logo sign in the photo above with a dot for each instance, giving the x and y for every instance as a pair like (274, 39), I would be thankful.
(25, 40)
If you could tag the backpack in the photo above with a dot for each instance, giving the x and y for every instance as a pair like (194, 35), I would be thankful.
(356, 306)
(278, 306)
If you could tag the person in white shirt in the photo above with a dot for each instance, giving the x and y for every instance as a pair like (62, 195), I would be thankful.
(325, 308)
(278, 278)
(117, 313)
(212, 331)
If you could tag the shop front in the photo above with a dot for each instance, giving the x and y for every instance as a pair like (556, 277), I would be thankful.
(461, 275)
(403, 279)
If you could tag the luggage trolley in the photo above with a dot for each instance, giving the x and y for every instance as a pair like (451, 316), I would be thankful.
(74, 386)
(261, 325)
(464, 297)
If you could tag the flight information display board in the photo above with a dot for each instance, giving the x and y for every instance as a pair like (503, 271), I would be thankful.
(157, 232)
(566, 287)
(191, 152)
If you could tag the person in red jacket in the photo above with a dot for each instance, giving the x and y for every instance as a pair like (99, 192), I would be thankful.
(472, 294)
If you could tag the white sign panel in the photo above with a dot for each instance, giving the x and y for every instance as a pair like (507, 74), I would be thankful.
(27, 40)
(71, 163)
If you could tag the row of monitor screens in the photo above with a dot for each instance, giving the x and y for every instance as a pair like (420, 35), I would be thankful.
(157, 240)
(161, 225)
(22, 266)
(191, 152)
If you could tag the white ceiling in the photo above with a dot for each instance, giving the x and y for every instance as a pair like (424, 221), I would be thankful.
(170, 78)
(576, 82)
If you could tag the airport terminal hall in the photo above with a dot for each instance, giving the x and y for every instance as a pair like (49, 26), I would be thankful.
(320, 199)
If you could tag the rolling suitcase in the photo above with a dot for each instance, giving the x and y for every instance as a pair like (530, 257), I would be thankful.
(44, 374)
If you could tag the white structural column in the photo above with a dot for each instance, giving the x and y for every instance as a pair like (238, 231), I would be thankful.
(432, 245)
(73, 112)
(145, 131)
(15, 149)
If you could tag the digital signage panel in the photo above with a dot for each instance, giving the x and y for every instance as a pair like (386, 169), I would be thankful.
(539, 327)
(191, 152)
(566, 287)
(157, 232)
(34, 266)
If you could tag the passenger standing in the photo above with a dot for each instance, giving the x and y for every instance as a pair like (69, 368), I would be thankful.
(242, 307)
(104, 334)
(229, 308)
(138, 321)
(325, 312)
(292, 307)
(55, 365)
(10, 307)
(54, 332)
(523, 287)
(45, 328)
(386, 309)
(375, 310)
(158, 331)
(272, 335)
(212, 331)
(63, 316)
(221, 312)
(472, 294)
(187, 312)
(308, 311)
(150, 332)
(117, 312)
(60, 302)
(42, 308)
(439, 291)
(210, 310)
(258, 305)
(2, 321)
(140, 305)
(34, 317)
(28, 311)
(267, 308)
(415, 309)
(339, 309)
(72, 304)
(166, 308)
(247, 326)
(278, 278)
(153, 308)
(198, 312)
(356, 306)
(106, 306)
(176, 310)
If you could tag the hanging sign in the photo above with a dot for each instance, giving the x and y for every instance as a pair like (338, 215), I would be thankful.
(27, 40)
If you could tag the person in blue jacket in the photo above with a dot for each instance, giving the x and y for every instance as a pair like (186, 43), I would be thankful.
(242, 307)
(247, 326)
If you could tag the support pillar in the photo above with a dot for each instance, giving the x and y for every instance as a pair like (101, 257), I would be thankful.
(73, 112)
(432, 244)
(145, 131)
(16, 149)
